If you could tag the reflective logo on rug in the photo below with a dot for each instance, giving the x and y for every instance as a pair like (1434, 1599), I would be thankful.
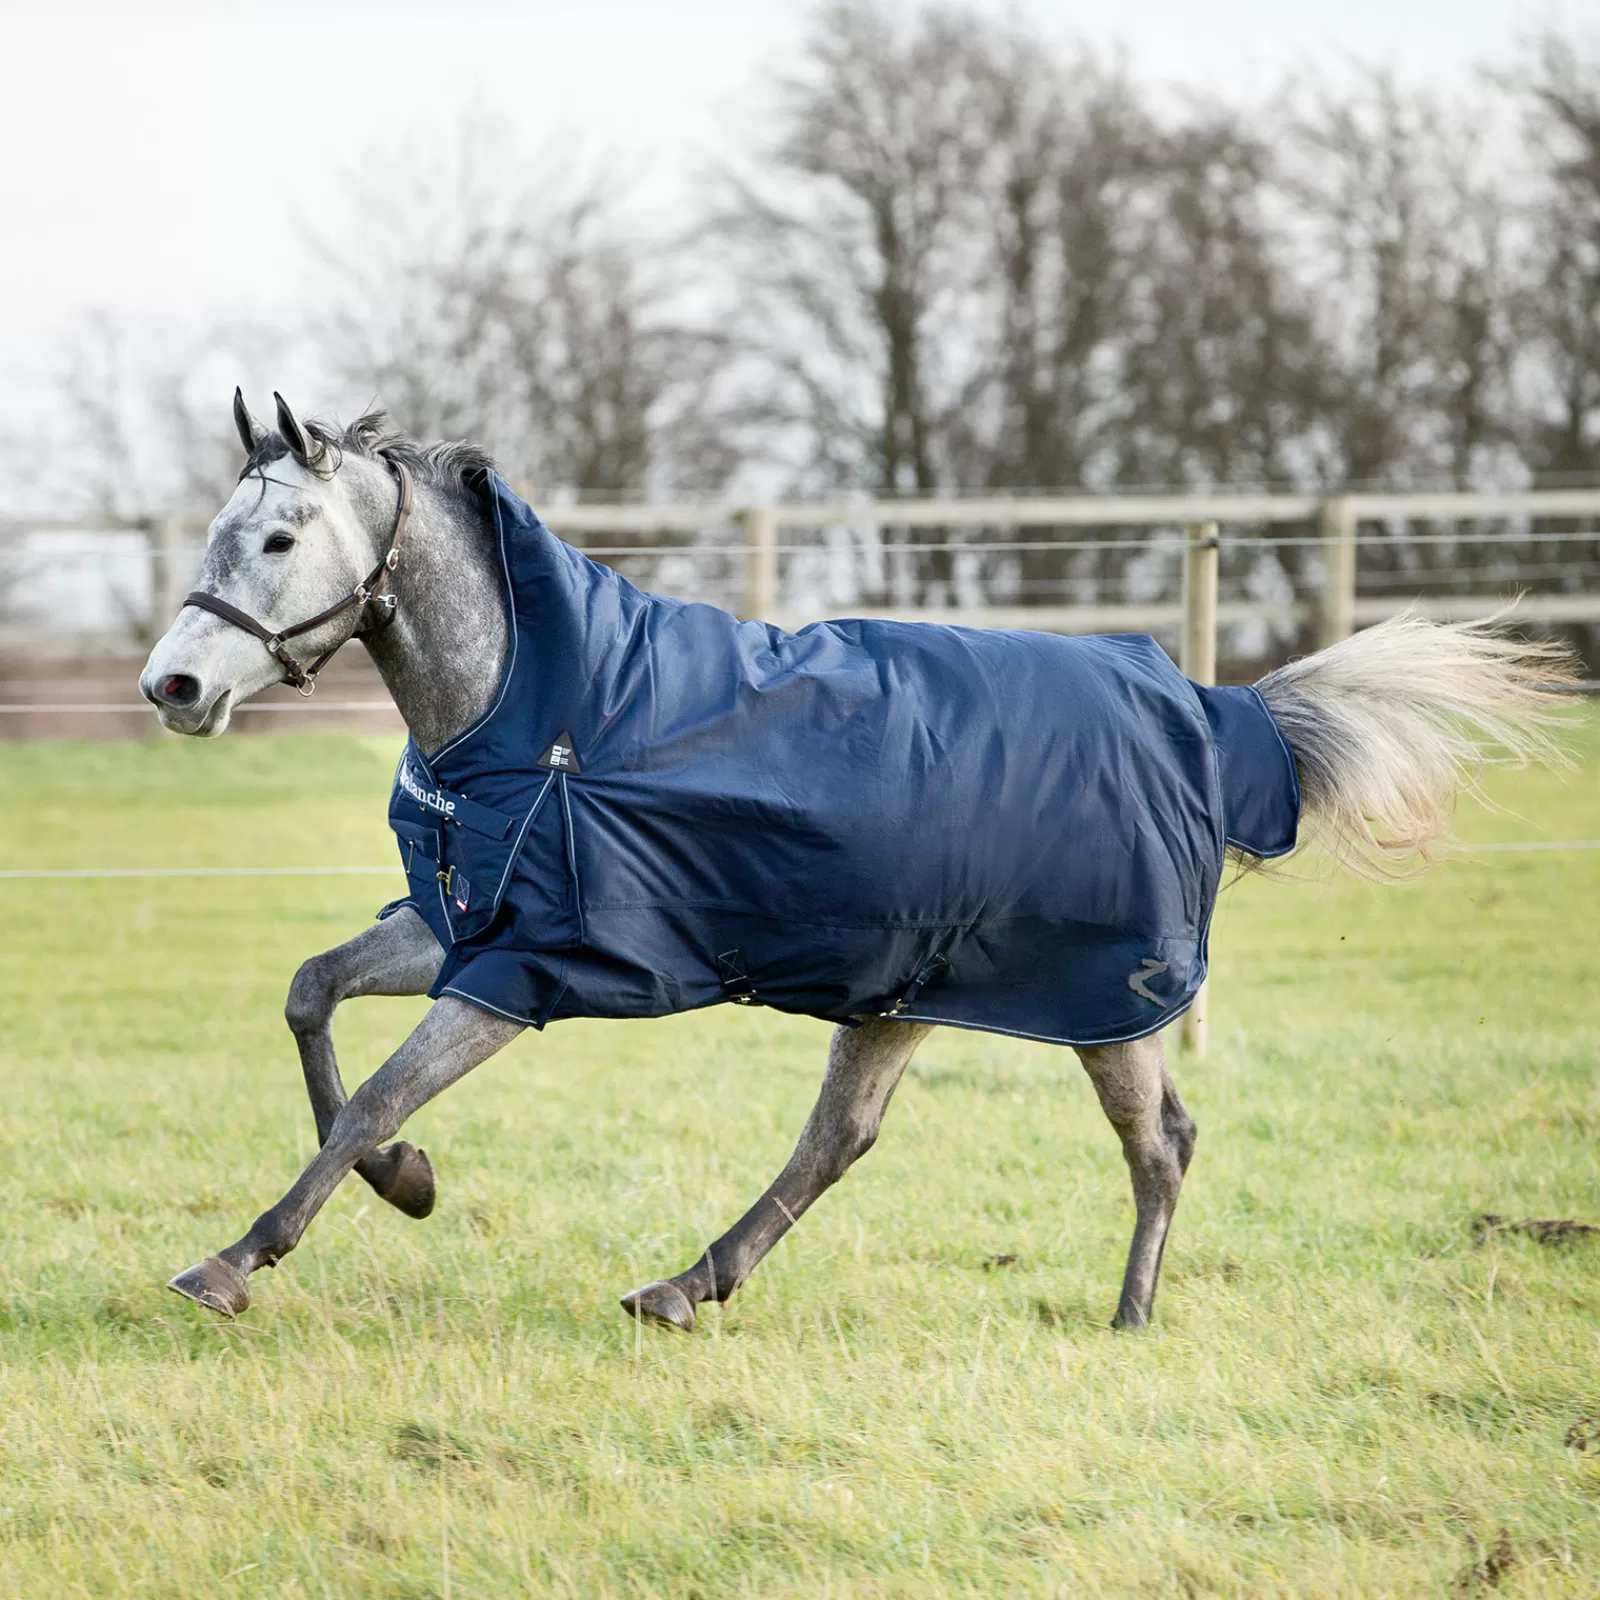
(1148, 968)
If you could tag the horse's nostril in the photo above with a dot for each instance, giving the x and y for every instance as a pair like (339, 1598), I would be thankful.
(178, 690)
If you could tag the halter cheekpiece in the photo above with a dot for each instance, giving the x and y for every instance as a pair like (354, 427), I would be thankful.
(370, 588)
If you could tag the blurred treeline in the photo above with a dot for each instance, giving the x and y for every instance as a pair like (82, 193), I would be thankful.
(957, 256)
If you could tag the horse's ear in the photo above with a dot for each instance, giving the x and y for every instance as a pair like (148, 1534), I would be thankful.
(251, 433)
(306, 449)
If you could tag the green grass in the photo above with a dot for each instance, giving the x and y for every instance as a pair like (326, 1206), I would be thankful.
(1343, 1393)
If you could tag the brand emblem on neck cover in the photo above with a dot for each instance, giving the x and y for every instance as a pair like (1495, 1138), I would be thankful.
(433, 799)
(560, 757)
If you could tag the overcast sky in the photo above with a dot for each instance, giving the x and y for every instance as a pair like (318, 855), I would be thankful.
(165, 158)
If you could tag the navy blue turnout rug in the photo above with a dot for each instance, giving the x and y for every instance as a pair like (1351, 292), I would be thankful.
(666, 807)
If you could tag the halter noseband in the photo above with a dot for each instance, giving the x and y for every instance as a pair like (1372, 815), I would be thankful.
(370, 588)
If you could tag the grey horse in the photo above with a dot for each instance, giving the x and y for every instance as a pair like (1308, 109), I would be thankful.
(1385, 729)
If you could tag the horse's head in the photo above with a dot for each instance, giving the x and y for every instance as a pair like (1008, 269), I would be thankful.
(299, 536)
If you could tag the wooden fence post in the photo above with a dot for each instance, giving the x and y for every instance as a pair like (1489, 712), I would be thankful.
(1336, 608)
(1198, 657)
(761, 561)
(1199, 662)
(166, 586)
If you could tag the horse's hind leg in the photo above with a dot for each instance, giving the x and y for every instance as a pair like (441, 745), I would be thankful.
(397, 956)
(864, 1066)
(1138, 1096)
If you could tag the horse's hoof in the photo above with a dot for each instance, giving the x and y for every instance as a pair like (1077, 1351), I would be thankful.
(406, 1179)
(662, 1302)
(216, 1284)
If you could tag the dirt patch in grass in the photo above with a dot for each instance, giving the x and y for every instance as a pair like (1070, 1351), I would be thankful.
(1491, 1570)
(1584, 1435)
(1542, 1230)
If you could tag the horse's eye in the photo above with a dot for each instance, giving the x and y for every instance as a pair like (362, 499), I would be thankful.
(277, 543)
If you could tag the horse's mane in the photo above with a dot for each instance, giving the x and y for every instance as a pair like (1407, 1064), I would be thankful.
(450, 464)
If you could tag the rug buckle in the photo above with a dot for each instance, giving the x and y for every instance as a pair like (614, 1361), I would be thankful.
(930, 971)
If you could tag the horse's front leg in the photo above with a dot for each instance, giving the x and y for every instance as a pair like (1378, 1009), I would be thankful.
(447, 1044)
(864, 1068)
(397, 956)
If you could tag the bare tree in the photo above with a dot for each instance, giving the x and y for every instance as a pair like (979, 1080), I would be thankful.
(1222, 366)
(1409, 261)
(475, 301)
(143, 434)
(850, 250)
(970, 259)
(1560, 309)
(145, 426)
(1067, 145)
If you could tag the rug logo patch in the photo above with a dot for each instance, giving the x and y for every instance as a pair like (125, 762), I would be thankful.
(433, 799)
(1149, 967)
(560, 757)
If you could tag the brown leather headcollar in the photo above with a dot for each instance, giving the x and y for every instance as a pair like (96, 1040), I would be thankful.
(370, 588)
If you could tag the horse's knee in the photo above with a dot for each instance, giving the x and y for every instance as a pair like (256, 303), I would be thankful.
(312, 996)
(836, 1147)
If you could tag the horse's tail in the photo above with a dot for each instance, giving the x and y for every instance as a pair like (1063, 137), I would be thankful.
(1389, 726)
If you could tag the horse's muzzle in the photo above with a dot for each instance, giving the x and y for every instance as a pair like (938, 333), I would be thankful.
(183, 704)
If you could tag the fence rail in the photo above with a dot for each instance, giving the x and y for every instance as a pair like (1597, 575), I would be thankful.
(1335, 611)
(747, 557)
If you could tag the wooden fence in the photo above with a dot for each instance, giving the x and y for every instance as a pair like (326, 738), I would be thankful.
(1336, 611)
(754, 546)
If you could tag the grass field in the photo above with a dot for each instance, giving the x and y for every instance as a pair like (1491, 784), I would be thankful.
(1343, 1392)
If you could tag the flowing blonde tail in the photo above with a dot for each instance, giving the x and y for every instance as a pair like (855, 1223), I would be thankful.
(1389, 726)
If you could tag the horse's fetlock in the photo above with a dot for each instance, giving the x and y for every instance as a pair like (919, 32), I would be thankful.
(265, 1251)
(271, 1237)
(725, 1284)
